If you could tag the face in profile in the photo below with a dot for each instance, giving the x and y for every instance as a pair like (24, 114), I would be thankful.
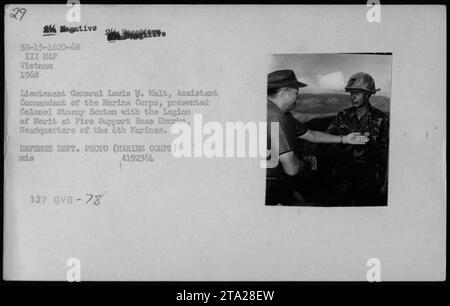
(290, 96)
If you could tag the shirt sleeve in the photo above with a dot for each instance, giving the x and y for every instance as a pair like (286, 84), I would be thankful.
(384, 139)
(333, 128)
(287, 140)
(299, 128)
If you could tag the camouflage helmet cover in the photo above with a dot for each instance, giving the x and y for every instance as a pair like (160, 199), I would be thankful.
(361, 81)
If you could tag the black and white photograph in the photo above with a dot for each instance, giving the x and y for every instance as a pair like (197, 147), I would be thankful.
(333, 113)
(178, 144)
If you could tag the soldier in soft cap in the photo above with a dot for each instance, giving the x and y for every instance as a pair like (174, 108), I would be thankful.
(360, 172)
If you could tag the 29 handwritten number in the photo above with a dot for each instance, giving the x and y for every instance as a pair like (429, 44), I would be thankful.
(16, 11)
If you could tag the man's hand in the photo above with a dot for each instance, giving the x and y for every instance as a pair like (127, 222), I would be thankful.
(355, 139)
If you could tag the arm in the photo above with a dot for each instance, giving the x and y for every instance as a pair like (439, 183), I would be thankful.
(321, 137)
(333, 128)
(384, 147)
(291, 164)
(284, 145)
(384, 140)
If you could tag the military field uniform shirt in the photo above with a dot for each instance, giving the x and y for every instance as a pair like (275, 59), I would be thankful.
(360, 170)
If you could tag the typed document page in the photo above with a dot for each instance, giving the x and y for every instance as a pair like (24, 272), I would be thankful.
(224, 143)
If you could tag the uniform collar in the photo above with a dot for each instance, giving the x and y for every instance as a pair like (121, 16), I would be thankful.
(368, 113)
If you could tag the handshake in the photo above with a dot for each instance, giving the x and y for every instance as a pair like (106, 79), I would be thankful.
(355, 138)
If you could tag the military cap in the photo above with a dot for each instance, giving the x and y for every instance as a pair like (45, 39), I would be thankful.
(361, 81)
(283, 78)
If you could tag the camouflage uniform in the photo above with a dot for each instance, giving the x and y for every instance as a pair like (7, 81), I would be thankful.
(360, 171)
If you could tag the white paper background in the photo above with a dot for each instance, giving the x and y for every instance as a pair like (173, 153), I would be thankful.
(205, 219)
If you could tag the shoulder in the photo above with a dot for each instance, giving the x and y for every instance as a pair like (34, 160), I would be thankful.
(345, 112)
(379, 114)
(348, 110)
(274, 113)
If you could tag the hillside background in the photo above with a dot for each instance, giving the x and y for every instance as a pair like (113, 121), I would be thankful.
(311, 106)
